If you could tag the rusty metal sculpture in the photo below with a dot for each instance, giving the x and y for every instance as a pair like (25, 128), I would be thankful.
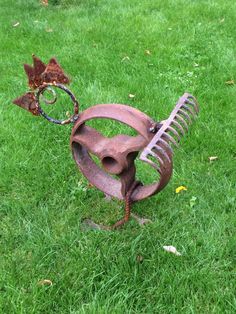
(153, 143)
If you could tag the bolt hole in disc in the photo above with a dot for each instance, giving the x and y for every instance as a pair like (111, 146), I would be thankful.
(111, 164)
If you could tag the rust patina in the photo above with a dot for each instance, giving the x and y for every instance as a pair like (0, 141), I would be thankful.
(116, 174)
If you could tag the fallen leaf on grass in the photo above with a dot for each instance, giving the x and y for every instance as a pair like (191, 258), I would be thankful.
(222, 20)
(192, 201)
(230, 82)
(139, 258)
(49, 30)
(212, 158)
(148, 52)
(171, 249)
(131, 96)
(180, 189)
(16, 24)
(44, 2)
(125, 58)
(45, 282)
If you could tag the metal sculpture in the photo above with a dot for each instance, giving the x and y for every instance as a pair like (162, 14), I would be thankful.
(153, 143)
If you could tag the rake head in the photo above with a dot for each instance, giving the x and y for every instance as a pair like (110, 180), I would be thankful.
(170, 133)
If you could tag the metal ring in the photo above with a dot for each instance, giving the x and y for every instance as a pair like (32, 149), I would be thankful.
(135, 119)
(72, 118)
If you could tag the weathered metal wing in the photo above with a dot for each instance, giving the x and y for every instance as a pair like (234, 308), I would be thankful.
(27, 102)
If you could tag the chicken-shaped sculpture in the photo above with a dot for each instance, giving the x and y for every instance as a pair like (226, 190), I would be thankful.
(116, 174)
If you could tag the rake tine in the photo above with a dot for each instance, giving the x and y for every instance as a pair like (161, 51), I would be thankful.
(166, 145)
(194, 100)
(190, 110)
(181, 111)
(150, 152)
(183, 121)
(162, 152)
(192, 103)
(151, 163)
(170, 138)
(179, 126)
(173, 130)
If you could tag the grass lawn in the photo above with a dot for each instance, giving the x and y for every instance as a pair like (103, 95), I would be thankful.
(101, 44)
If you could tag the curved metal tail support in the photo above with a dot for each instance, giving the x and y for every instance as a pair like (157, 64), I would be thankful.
(158, 153)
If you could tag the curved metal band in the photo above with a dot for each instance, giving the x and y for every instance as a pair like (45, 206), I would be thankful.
(97, 176)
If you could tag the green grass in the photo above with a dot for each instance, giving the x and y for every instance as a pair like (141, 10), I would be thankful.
(43, 197)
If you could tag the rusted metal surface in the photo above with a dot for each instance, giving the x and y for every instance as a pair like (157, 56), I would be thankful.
(73, 117)
(41, 73)
(42, 77)
(35, 72)
(116, 175)
(28, 102)
(160, 147)
(117, 154)
(54, 73)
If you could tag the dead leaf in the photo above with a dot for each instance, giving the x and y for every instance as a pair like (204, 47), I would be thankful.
(49, 30)
(172, 250)
(148, 52)
(131, 96)
(196, 65)
(139, 258)
(45, 282)
(193, 201)
(44, 2)
(125, 58)
(222, 20)
(230, 82)
(212, 158)
(16, 24)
